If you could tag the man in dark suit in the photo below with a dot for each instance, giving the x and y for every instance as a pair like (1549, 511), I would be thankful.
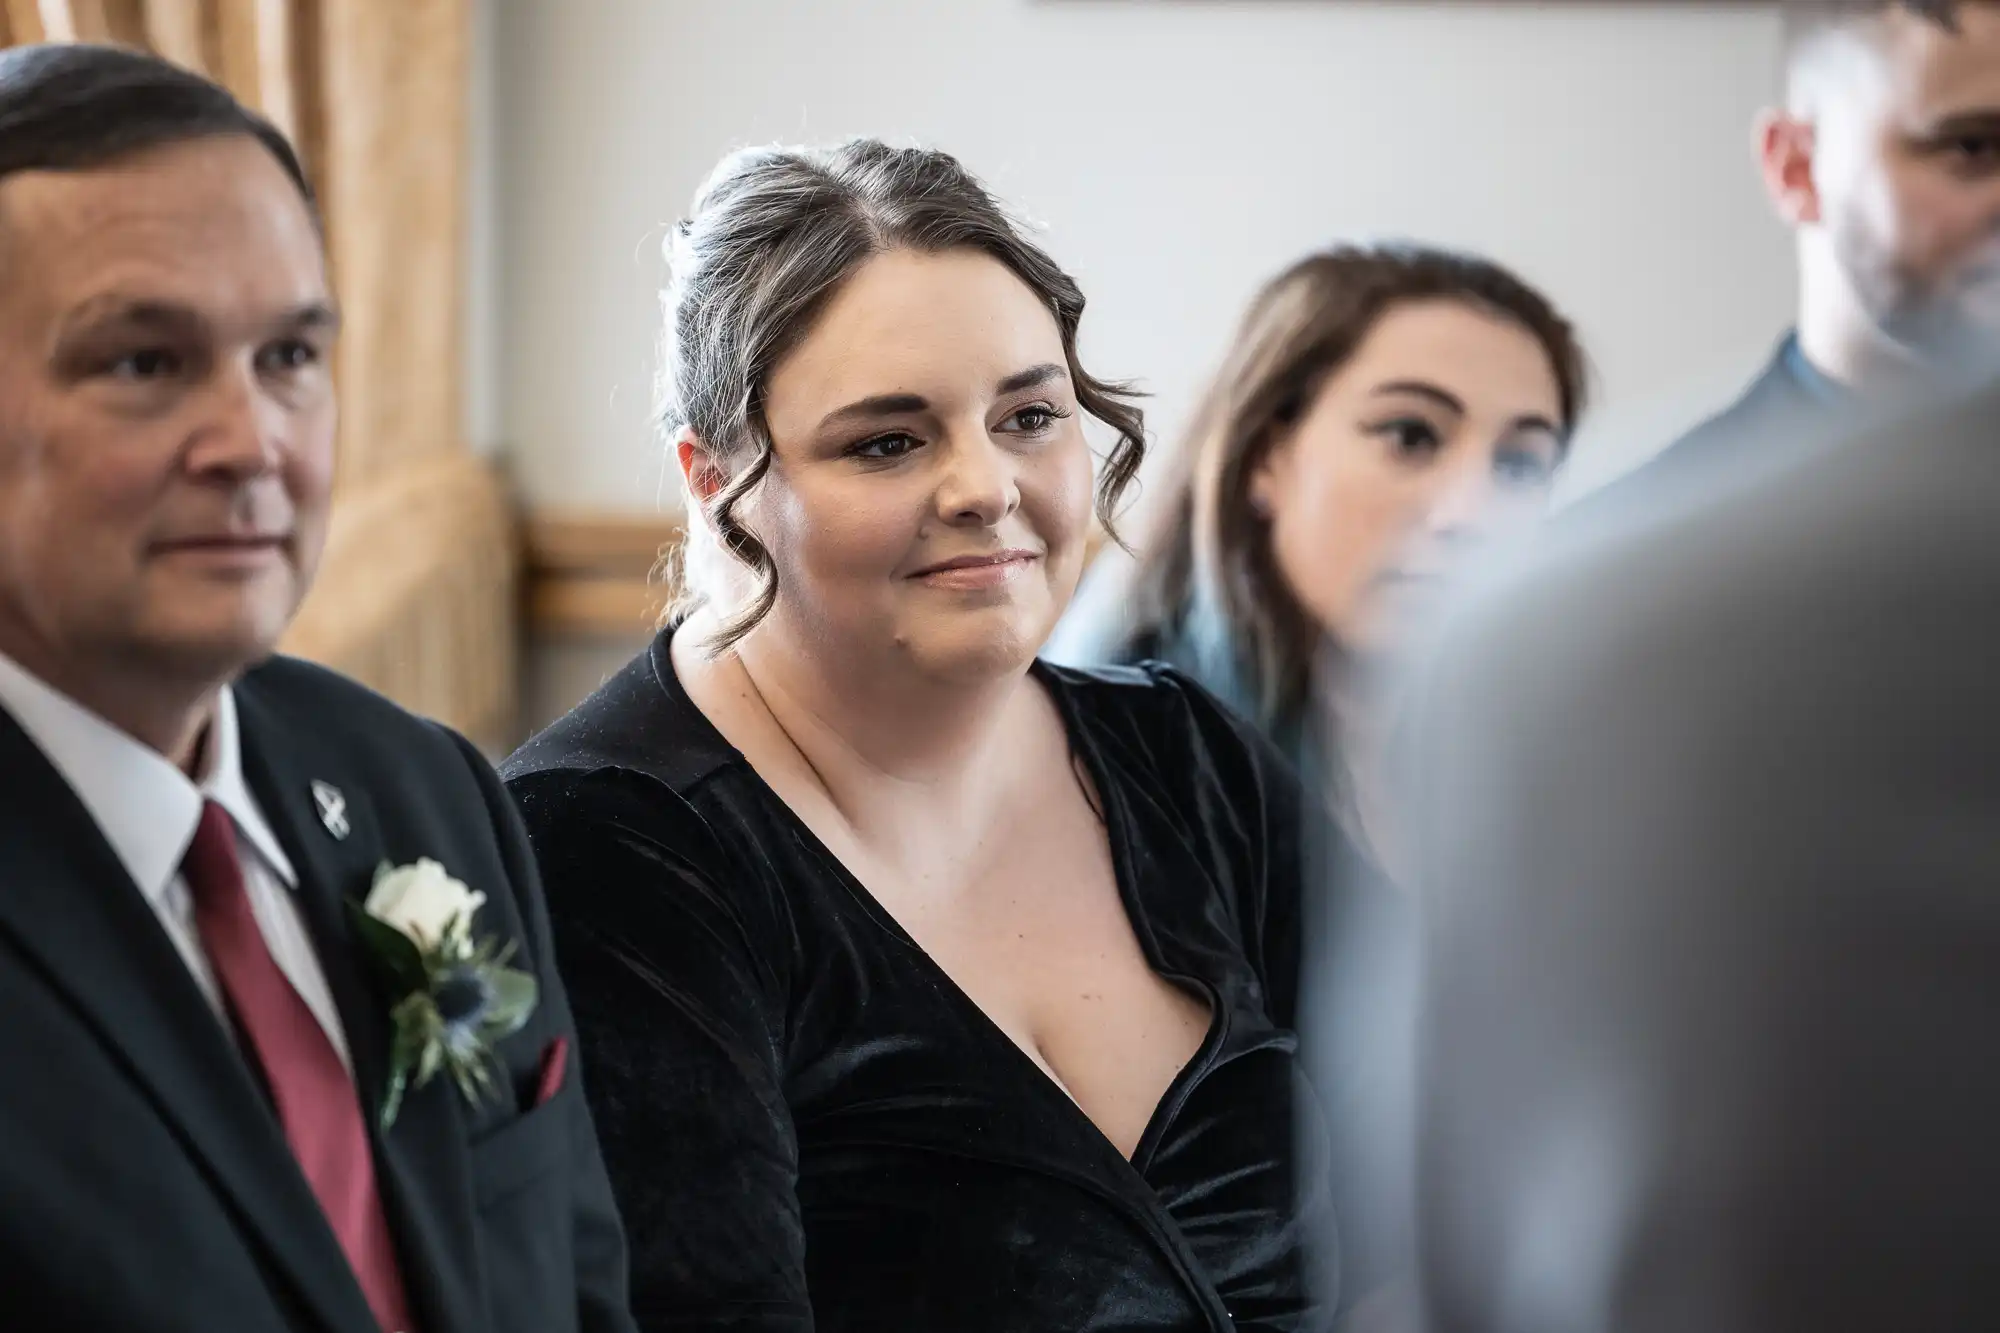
(199, 1043)
(1709, 815)
(1885, 162)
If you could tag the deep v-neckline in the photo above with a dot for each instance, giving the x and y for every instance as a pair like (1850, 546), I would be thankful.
(1117, 832)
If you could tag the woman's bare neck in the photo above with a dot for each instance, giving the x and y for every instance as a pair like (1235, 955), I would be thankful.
(886, 748)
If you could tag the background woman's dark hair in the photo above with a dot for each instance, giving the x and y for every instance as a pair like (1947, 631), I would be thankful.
(1301, 328)
(75, 107)
(772, 236)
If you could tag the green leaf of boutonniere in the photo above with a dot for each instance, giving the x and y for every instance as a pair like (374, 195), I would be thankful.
(404, 1053)
(514, 996)
(398, 954)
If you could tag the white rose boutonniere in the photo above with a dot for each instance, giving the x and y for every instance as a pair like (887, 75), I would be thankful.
(457, 995)
(422, 901)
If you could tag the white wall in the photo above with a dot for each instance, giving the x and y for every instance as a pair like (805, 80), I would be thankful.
(1178, 153)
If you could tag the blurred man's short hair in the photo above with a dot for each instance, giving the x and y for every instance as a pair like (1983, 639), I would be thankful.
(1806, 21)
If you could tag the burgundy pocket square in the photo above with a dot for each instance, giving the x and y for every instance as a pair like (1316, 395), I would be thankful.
(555, 1063)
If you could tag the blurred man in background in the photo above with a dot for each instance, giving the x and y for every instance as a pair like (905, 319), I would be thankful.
(1709, 823)
(1885, 161)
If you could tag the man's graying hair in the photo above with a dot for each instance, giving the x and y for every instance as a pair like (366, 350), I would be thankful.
(773, 234)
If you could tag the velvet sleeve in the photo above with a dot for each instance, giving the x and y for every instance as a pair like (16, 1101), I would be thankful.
(1251, 801)
(677, 962)
(1336, 947)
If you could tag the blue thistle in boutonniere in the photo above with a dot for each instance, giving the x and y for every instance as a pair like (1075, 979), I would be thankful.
(457, 996)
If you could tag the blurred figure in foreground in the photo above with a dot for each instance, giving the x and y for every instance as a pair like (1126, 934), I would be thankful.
(1885, 162)
(1709, 822)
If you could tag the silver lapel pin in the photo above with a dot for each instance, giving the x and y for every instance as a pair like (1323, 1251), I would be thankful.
(332, 807)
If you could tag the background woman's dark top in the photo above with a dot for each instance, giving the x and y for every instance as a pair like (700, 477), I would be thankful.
(1107, 626)
(809, 1126)
(1360, 941)
(1206, 658)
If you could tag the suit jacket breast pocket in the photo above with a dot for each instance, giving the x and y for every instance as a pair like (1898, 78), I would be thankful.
(521, 1187)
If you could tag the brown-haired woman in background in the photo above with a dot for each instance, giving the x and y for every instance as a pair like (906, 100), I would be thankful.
(1383, 413)
(925, 986)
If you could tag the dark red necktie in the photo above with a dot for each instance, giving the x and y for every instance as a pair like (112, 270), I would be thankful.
(315, 1096)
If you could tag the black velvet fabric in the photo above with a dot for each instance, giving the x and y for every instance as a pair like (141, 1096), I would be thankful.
(809, 1126)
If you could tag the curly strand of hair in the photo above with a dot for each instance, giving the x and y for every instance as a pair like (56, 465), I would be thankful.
(743, 544)
(1112, 403)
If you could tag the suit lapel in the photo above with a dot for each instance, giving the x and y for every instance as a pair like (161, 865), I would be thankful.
(73, 910)
(421, 1161)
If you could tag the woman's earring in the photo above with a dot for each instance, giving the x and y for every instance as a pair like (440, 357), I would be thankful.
(1260, 506)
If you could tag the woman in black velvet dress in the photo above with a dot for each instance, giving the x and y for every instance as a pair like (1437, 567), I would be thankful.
(925, 988)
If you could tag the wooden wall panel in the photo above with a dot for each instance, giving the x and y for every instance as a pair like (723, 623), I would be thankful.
(392, 163)
(26, 24)
(125, 22)
(254, 48)
(174, 31)
(307, 32)
(86, 21)
(593, 574)
(416, 596)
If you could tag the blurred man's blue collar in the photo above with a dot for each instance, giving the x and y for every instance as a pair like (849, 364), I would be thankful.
(1821, 387)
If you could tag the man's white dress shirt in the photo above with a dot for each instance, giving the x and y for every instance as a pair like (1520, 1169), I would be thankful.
(148, 809)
